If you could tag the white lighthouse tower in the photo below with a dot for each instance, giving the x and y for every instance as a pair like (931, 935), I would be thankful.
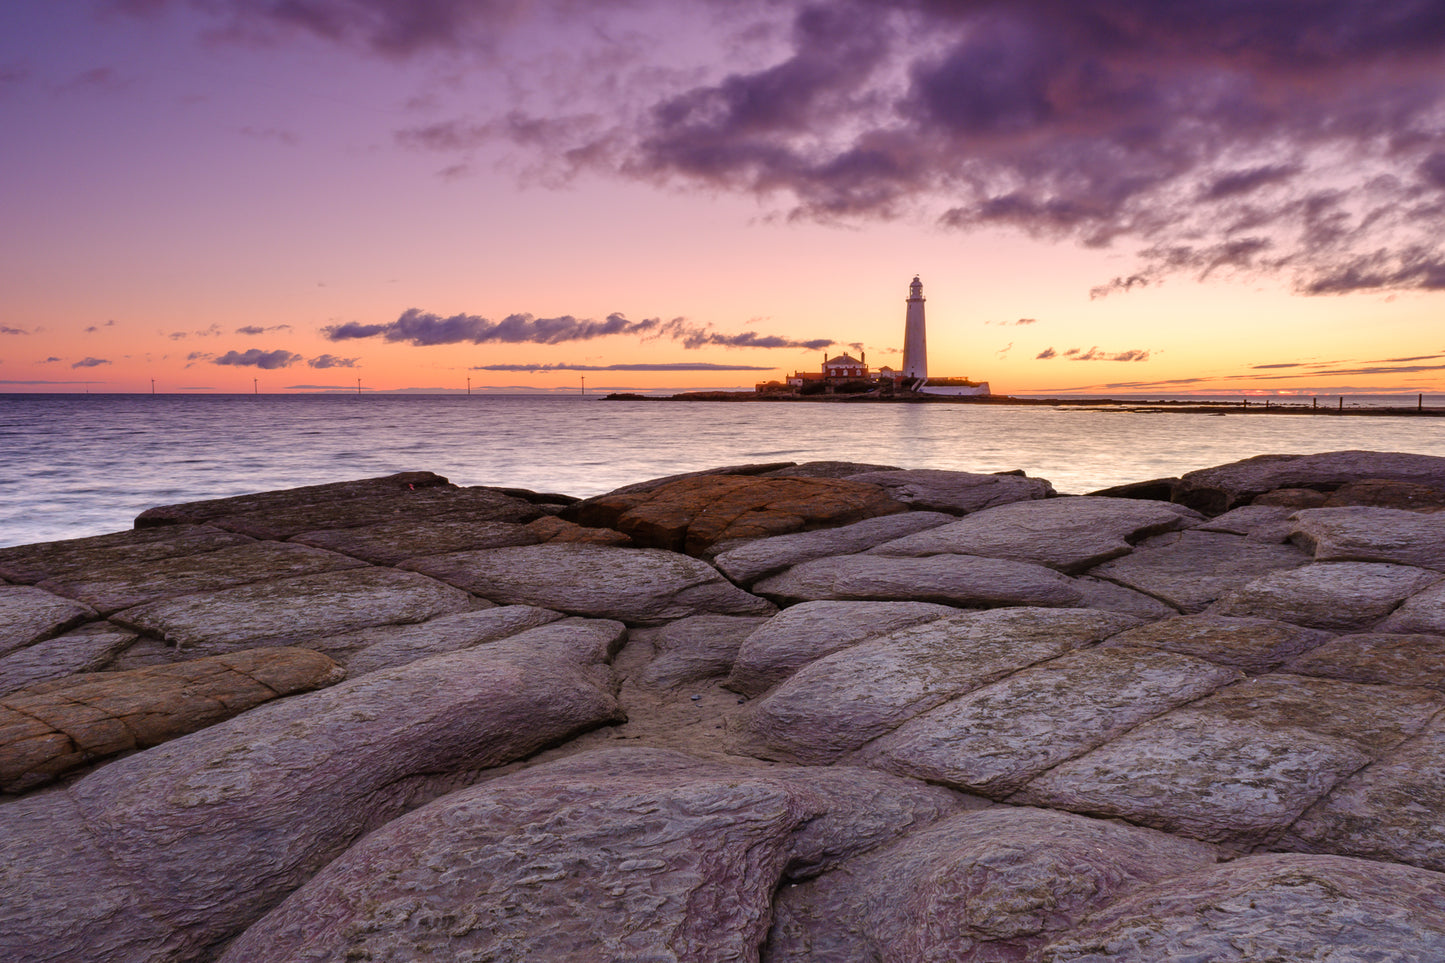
(915, 341)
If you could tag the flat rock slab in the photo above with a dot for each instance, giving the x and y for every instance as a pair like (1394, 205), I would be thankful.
(581, 860)
(110, 588)
(33, 563)
(1216, 490)
(1372, 535)
(994, 739)
(652, 484)
(966, 581)
(699, 647)
(805, 633)
(754, 559)
(1389, 811)
(389, 543)
(692, 514)
(292, 610)
(1253, 645)
(1263, 523)
(1189, 570)
(53, 727)
(550, 528)
(1241, 765)
(629, 584)
(1275, 907)
(829, 469)
(287, 498)
(845, 700)
(1377, 493)
(992, 885)
(387, 646)
(205, 834)
(616, 854)
(1329, 595)
(1068, 534)
(421, 505)
(955, 492)
(29, 614)
(1417, 660)
(84, 650)
(1422, 613)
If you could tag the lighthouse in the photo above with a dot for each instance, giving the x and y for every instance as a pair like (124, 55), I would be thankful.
(915, 341)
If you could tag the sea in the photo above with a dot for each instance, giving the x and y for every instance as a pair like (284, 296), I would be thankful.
(79, 465)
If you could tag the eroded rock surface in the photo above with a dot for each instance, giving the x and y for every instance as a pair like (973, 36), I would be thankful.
(1189, 570)
(631, 585)
(1216, 490)
(389, 543)
(1069, 534)
(1334, 595)
(753, 559)
(291, 610)
(204, 834)
(955, 492)
(29, 614)
(691, 514)
(989, 886)
(83, 650)
(1253, 645)
(1372, 535)
(52, 727)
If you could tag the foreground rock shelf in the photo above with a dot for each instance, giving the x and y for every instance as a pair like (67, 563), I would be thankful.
(768, 712)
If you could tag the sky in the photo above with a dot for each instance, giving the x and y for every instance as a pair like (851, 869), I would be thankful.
(1100, 196)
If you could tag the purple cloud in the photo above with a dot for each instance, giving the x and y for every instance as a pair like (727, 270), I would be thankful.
(256, 358)
(90, 363)
(422, 329)
(332, 361)
(5, 329)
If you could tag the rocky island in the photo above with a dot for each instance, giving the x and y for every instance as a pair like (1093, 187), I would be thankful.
(771, 712)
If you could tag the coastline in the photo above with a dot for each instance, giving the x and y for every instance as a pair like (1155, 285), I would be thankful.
(1182, 406)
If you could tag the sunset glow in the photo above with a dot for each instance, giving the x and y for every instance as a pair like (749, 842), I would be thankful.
(1100, 196)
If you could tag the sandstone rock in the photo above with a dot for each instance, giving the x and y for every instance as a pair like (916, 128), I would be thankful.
(1253, 645)
(961, 580)
(1417, 660)
(691, 514)
(288, 498)
(1275, 907)
(1069, 534)
(994, 739)
(84, 650)
(1332, 595)
(845, 700)
(291, 610)
(695, 648)
(389, 543)
(865, 808)
(1372, 535)
(955, 492)
(1388, 811)
(551, 529)
(206, 833)
(386, 646)
(986, 886)
(1423, 613)
(807, 632)
(829, 469)
(1189, 570)
(1241, 765)
(110, 588)
(754, 469)
(1215, 490)
(52, 727)
(423, 505)
(1291, 498)
(628, 584)
(33, 563)
(1097, 593)
(1379, 493)
(751, 560)
(1153, 490)
(29, 614)
(594, 857)
(1264, 523)
(616, 854)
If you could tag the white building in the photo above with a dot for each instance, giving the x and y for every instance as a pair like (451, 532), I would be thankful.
(915, 338)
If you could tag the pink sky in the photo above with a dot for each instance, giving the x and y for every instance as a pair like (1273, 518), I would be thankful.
(1100, 196)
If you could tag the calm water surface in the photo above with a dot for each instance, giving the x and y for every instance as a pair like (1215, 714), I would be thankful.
(75, 465)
